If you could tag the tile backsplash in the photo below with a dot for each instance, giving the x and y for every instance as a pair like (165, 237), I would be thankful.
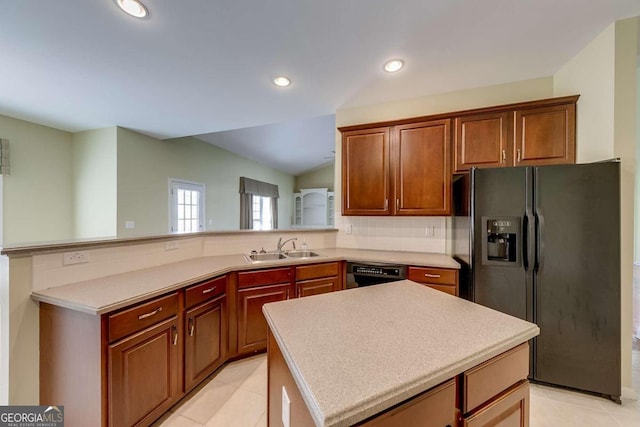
(409, 234)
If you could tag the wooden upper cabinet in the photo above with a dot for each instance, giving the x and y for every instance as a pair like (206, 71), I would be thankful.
(398, 170)
(421, 159)
(482, 140)
(545, 135)
(365, 172)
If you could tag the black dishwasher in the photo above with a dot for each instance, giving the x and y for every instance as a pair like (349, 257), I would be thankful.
(370, 273)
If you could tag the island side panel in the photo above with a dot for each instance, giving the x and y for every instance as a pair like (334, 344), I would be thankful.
(278, 376)
(72, 364)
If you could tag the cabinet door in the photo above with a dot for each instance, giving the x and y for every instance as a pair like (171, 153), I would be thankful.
(511, 409)
(365, 172)
(545, 136)
(252, 326)
(206, 340)
(422, 169)
(482, 141)
(317, 286)
(143, 375)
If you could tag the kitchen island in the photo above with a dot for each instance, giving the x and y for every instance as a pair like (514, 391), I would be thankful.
(395, 353)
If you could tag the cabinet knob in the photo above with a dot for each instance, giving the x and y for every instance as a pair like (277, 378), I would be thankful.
(386, 204)
(504, 156)
(206, 291)
(191, 326)
(435, 276)
(397, 204)
(174, 331)
(519, 156)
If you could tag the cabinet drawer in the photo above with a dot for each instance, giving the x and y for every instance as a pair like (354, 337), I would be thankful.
(204, 291)
(433, 275)
(511, 408)
(316, 271)
(494, 376)
(449, 289)
(272, 276)
(142, 316)
(433, 408)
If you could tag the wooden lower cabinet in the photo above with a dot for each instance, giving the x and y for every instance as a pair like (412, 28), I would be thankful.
(441, 279)
(143, 375)
(317, 286)
(205, 342)
(252, 326)
(317, 279)
(510, 409)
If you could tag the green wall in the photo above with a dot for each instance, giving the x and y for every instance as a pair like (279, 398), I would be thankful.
(322, 177)
(146, 164)
(37, 195)
(94, 183)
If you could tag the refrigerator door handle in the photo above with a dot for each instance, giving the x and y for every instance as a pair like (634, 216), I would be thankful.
(525, 242)
(540, 241)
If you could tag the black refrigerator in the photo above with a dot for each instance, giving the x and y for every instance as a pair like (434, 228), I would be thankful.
(543, 244)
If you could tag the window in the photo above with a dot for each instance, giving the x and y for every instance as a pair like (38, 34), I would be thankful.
(186, 206)
(261, 213)
(258, 205)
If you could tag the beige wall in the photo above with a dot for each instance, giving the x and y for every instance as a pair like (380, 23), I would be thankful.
(604, 74)
(145, 165)
(318, 178)
(409, 234)
(94, 183)
(37, 195)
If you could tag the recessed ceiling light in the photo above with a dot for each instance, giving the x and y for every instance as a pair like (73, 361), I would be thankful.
(393, 65)
(281, 81)
(133, 8)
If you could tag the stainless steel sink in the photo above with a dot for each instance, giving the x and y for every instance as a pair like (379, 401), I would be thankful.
(269, 256)
(278, 256)
(301, 254)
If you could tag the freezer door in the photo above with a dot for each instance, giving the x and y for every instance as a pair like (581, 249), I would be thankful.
(503, 195)
(577, 282)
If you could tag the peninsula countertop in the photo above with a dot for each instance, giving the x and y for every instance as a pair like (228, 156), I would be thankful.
(109, 293)
(358, 352)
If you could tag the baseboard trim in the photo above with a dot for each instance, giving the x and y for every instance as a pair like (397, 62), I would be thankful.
(629, 393)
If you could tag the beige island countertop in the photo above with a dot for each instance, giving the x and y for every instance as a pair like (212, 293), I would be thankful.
(355, 353)
(109, 293)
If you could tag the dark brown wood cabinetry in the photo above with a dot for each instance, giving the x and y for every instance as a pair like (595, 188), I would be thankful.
(205, 330)
(482, 140)
(404, 167)
(365, 172)
(144, 374)
(318, 279)
(526, 134)
(545, 135)
(442, 279)
(397, 170)
(256, 288)
(143, 367)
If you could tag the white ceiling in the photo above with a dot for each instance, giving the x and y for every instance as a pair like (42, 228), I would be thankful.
(78, 64)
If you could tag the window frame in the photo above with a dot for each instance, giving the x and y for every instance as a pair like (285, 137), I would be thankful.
(181, 184)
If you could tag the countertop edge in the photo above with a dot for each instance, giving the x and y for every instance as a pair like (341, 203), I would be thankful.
(44, 296)
(376, 404)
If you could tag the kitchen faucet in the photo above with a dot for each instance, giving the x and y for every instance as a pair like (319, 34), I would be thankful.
(281, 243)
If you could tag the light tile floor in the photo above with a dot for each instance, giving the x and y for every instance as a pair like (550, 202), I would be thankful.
(236, 396)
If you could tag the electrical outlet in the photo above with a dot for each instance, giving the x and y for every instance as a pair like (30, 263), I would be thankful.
(129, 225)
(171, 246)
(348, 229)
(70, 258)
(430, 231)
(286, 408)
